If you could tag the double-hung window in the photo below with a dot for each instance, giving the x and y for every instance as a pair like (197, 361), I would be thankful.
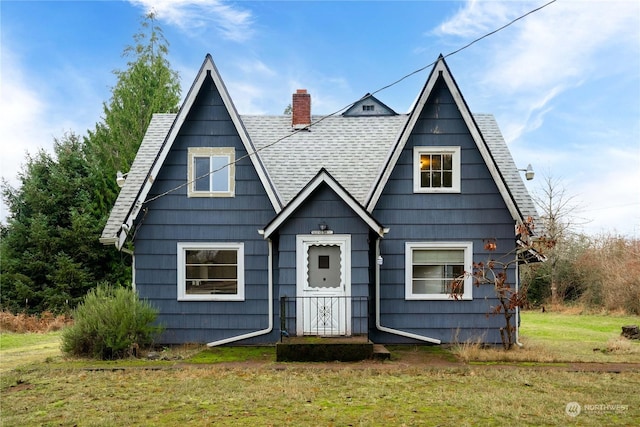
(436, 169)
(436, 270)
(211, 172)
(210, 271)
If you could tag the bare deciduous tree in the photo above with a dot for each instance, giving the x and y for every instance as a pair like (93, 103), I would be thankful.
(558, 210)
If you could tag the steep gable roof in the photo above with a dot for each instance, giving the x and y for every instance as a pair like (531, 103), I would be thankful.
(352, 149)
(369, 105)
(323, 177)
(507, 167)
(357, 152)
(208, 69)
(128, 202)
(441, 70)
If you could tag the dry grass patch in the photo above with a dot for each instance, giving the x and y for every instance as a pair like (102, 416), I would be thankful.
(291, 395)
(534, 353)
(21, 322)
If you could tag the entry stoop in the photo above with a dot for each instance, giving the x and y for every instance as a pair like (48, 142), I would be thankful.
(380, 352)
(324, 349)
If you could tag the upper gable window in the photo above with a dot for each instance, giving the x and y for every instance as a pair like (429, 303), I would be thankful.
(211, 172)
(436, 169)
(368, 107)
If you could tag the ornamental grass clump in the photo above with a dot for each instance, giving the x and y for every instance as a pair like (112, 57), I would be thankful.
(110, 323)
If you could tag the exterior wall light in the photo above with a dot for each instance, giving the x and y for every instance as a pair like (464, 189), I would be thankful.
(121, 178)
(528, 172)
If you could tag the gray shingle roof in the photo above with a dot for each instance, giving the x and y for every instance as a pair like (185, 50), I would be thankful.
(149, 148)
(501, 154)
(352, 149)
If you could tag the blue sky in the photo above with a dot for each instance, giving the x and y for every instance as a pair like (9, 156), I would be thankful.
(563, 83)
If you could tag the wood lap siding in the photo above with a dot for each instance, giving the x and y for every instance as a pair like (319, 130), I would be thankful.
(175, 217)
(477, 213)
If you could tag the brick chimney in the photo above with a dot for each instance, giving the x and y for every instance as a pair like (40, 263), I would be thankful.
(301, 109)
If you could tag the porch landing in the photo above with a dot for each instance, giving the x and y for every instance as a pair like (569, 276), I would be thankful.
(332, 348)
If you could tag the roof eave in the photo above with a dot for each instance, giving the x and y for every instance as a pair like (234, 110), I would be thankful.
(108, 240)
(441, 69)
(208, 68)
(323, 176)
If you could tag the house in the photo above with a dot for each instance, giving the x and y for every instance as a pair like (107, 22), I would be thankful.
(248, 227)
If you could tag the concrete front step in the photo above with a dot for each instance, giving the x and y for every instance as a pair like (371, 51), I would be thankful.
(324, 349)
(380, 352)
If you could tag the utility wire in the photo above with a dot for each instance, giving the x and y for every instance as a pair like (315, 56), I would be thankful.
(321, 119)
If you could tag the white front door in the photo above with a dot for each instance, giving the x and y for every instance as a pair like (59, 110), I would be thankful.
(323, 285)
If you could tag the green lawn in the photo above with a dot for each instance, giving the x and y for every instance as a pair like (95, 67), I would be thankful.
(594, 328)
(40, 387)
(18, 350)
(583, 337)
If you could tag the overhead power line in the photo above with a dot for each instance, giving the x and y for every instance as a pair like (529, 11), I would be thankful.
(321, 119)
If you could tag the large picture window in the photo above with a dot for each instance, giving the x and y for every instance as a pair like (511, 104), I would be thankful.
(437, 269)
(211, 172)
(210, 271)
(436, 169)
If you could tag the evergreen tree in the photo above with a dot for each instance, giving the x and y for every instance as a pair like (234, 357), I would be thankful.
(146, 87)
(50, 255)
(49, 250)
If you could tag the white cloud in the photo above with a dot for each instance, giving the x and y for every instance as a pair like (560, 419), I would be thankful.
(33, 114)
(532, 75)
(20, 108)
(609, 191)
(546, 53)
(246, 97)
(232, 22)
(255, 67)
(478, 17)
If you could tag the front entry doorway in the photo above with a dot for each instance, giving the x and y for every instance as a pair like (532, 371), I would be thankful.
(323, 285)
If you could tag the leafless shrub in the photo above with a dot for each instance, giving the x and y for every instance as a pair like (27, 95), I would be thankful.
(612, 264)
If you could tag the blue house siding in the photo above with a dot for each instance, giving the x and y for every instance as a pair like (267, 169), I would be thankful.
(325, 205)
(478, 212)
(264, 198)
(174, 218)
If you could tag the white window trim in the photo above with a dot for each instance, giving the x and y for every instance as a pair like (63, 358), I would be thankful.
(182, 291)
(228, 152)
(455, 151)
(468, 268)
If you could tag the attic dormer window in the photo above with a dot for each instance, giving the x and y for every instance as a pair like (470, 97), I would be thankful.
(211, 172)
(368, 108)
(436, 170)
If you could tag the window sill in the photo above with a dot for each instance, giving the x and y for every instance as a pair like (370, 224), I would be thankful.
(438, 297)
(211, 297)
